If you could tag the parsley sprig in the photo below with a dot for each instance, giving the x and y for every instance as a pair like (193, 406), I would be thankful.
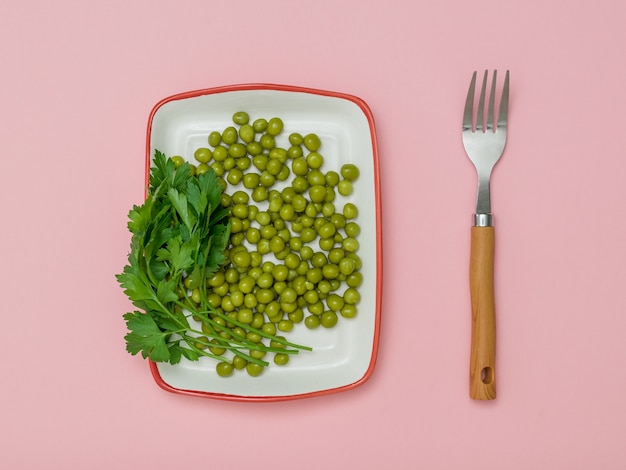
(180, 235)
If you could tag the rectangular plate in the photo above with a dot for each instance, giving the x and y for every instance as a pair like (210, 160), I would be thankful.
(343, 357)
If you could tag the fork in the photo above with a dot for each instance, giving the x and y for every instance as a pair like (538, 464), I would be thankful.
(484, 140)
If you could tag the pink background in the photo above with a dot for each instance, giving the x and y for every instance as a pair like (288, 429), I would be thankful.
(78, 82)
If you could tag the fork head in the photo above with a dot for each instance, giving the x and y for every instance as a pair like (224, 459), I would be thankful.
(484, 138)
(488, 132)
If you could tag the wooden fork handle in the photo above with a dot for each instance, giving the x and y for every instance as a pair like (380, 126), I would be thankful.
(483, 344)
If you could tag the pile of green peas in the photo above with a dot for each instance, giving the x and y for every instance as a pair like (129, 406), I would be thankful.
(293, 253)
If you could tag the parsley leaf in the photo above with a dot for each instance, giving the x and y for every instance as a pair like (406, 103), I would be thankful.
(146, 337)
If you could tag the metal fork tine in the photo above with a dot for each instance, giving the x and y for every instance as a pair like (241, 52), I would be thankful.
(492, 102)
(468, 113)
(480, 119)
(504, 103)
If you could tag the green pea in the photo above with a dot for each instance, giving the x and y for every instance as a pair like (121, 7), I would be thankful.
(254, 148)
(255, 258)
(292, 261)
(300, 184)
(312, 322)
(246, 133)
(326, 244)
(244, 315)
(324, 287)
(299, 203)
(295, 151)
(241, 118)
(327, 230)
(231, 276)
(267, 141)
(332, 178)
(229, 163)
(349, 311)
(273, 311)
(328, 319)
(344, 187)
(275, 126)
(220, 153)
(253, 369)
(336, 255)
(284, 173)
(202, 168)
(269, 329)
(243, 163)
(281, 359)
(257, 353)
(316, 177)
(230, 135)
(280, 272)
(335, 302)
(311, 297)
(352, 229)
(314, 275)
(241, 258)
(218, 169)
(246, 285)
(253, 235)
(259, 194)
(296, 316)
(250, 300)
(330, 271)
(237, 150)
(350, 211)
(260, 162)
(314, 160)
(274, 167)
(203, 155)
(263, 218)
(216, 280)
(259, 125)
(302, 268)
(308, 235)
(287, 212)
(224, 369)
(312, 142)
(265, 280)
(177, 160)
(239, 363)
(350, 244)
(347, 266)
(214, 139)
(318, 260)
(251, 180)
(295, 139)
(317, 193)
(277, 244)
(351, 296)
(267, 179)
(285, 325)
(350, 172)
(234, 176)
(214, 299)
(306, 252)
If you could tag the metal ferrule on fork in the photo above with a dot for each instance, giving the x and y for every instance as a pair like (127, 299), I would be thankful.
(483, 220)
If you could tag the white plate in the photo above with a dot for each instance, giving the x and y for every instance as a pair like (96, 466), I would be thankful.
(342, 357)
